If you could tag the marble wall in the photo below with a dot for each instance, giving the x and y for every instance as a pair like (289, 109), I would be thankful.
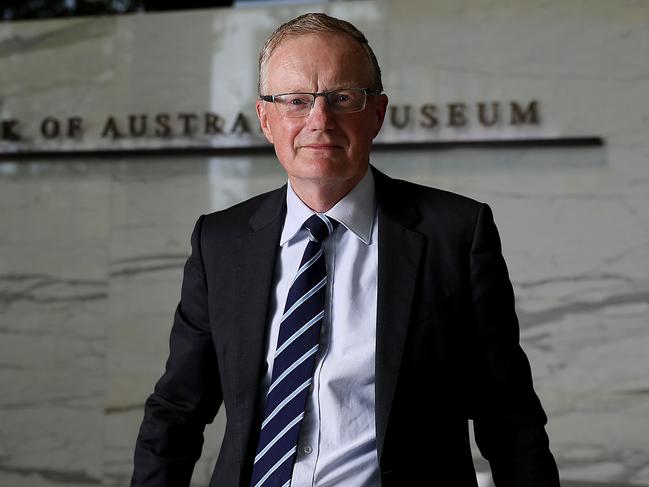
(92, 248)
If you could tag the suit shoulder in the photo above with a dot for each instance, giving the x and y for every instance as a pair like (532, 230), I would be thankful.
(435, 201)
(446, 218)
(235, 220)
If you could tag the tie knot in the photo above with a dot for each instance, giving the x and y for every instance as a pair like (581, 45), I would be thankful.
(320, 226)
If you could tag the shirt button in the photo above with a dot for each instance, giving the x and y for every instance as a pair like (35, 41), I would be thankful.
(307, 449)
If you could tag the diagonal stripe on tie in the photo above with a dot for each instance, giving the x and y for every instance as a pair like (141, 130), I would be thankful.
(292, 367)
(285, 401)
(299, 333)
(304, 297)
(279, 435)
(276, 466)
(306, 265)
(293, 362)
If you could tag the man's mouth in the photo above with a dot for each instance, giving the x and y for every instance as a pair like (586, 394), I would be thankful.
(321, 146)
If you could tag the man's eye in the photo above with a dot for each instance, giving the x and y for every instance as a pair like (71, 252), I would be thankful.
(297, 101)
(342, 98)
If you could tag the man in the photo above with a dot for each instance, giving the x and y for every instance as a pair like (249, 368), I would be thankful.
(350, 323)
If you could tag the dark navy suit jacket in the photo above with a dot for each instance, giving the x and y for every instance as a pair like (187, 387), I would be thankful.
(447, 348)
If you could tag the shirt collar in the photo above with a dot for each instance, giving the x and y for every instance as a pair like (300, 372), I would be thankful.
(355, 211)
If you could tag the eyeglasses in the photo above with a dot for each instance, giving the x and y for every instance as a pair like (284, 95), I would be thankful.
(346, 100)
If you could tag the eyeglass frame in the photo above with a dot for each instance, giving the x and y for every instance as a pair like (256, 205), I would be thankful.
(366, 91)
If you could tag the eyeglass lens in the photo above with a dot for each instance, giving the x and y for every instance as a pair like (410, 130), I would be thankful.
(341, 101)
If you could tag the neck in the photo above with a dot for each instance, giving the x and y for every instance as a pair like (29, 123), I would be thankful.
(321, 195)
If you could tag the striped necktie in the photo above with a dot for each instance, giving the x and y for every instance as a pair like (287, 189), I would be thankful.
(293, 362)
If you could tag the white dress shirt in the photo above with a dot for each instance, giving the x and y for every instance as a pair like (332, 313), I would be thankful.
(337, 443)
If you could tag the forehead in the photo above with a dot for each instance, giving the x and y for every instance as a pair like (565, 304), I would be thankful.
(318, 62)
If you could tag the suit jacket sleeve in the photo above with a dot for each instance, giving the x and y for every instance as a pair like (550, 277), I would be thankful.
(188, 395)
(508, 420)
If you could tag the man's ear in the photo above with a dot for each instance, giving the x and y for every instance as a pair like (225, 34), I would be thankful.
(263, 120)
(380, 109)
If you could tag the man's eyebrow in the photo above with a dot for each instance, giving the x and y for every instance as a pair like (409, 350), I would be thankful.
(344, 86)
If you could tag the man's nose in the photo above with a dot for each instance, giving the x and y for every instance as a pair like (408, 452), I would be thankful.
(320, 115)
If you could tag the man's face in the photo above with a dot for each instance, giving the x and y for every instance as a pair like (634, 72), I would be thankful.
(324, 147)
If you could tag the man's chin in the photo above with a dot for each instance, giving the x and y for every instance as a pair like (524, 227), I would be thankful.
(320, 167)
(324, 169)
(326, 177)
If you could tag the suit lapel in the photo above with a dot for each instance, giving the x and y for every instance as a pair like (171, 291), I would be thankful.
(399, 255)
(254, 280)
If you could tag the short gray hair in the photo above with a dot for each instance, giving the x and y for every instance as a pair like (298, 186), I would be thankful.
(315, 23)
